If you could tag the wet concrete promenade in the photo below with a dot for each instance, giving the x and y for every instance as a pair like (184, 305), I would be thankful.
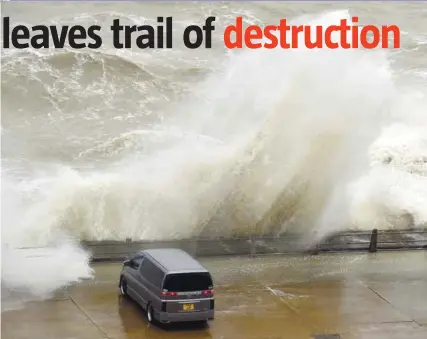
(355, 296)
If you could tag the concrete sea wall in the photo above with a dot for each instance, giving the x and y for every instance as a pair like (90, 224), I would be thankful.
(284, 244)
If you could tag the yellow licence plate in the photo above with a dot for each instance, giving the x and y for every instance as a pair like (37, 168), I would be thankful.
(188, 307)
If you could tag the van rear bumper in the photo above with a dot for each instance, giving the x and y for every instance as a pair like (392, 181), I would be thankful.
(181, 317)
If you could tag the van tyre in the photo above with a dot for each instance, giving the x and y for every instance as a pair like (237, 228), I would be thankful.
(150, 317)
(123, 287)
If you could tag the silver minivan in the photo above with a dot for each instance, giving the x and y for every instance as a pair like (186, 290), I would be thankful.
(169, 284)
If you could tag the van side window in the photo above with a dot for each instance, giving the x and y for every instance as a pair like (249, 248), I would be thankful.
(136, 261)
(152, 273)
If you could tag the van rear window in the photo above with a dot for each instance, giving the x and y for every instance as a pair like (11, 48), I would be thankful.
(186, 282)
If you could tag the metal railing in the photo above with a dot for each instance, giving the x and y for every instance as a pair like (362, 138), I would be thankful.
(415, 239)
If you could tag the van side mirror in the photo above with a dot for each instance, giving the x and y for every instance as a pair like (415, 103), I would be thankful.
(131, 263)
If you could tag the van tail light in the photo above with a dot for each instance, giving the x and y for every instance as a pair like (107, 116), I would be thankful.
(169, 294)
(208, 292)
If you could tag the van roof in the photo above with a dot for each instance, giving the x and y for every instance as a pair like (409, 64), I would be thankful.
(175, 260)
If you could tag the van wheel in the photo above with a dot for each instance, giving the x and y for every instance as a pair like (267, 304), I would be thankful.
(150, 314)
(123, 287)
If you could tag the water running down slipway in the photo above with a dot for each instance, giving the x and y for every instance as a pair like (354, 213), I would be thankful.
(113, 144)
